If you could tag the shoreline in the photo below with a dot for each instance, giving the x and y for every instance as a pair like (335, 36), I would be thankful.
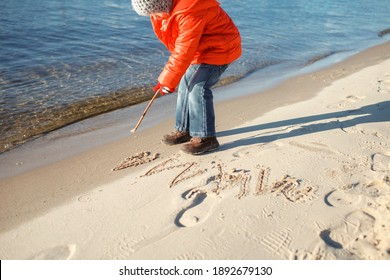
(329, 140)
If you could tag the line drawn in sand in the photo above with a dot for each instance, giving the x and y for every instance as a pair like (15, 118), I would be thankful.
(294, 190)
(138, 159)
(262, 181)
(180, 178)
(225, 181)
(173, 163)
(244, 187)
(162, 167)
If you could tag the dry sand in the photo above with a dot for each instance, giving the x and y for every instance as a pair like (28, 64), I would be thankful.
(303, 172)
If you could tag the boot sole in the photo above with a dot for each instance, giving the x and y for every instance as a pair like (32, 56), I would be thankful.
(199, 152)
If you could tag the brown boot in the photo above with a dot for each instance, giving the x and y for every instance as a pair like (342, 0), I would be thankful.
(176, 137)
(199, 146)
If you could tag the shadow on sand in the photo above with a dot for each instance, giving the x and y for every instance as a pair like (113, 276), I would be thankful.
(379, 112)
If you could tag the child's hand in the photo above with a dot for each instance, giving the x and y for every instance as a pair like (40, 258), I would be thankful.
(163, 89)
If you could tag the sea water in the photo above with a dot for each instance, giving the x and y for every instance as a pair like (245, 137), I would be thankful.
(65, 61)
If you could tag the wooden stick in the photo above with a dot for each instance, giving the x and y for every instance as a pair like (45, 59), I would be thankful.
(147, 108)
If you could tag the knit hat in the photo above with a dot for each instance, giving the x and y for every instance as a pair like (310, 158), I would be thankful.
(148, 7)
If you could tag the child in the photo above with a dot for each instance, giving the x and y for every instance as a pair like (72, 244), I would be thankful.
(202, 40)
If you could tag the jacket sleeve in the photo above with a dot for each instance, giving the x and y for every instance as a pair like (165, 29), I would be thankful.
(190, 30)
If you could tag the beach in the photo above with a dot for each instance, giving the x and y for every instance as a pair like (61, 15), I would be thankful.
(303, 173)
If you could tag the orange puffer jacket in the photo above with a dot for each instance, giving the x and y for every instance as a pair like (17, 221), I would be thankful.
(196, 31)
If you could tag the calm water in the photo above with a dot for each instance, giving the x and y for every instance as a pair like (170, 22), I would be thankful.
(63, 61)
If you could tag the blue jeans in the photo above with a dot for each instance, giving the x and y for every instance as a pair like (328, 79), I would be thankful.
(195, 108)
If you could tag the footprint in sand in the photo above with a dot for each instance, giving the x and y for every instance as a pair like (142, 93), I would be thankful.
(380, 163)
(319, 252)
(56, 253)
(314, 147)
(325, 236)
(336, 198)
(278, 242)
(356, 235)
(356, 194)
(84, 198)
(347, 103)
(384, 85)
(190, 256)
(373, 189)
(250, 152)
(198, 211)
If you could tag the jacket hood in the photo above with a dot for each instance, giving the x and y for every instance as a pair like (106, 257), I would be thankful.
(183, 6)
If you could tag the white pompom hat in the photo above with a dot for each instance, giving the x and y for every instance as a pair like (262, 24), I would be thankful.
(148, 7)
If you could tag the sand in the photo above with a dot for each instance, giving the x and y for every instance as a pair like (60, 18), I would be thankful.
(303, 172)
